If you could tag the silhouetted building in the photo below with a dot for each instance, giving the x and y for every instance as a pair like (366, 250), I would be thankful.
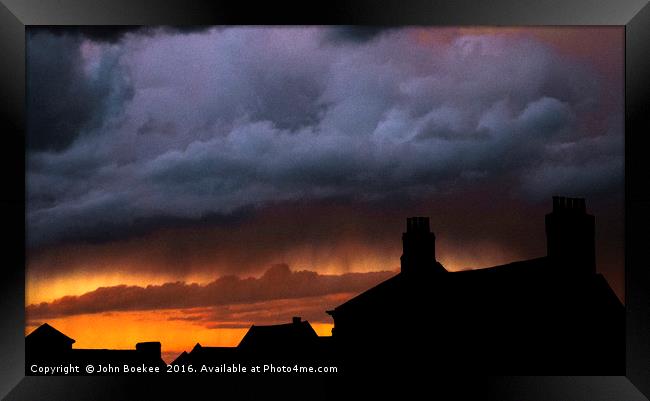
(47, 345)
(280, 342)
(549, 315)
(570, 234)
(183, 358)
(281, 339)
(208, 355)
(47, 342)
(419, 245)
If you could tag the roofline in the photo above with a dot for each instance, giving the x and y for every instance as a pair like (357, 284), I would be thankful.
(395, 277)
(509, 264)
(68, 339)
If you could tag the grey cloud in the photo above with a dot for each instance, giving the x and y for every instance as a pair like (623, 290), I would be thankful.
(355, 34)
(152, 126)
(181, 127)
(63, 100)
(587, 165)
(115, 33)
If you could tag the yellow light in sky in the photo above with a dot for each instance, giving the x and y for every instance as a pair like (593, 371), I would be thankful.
(46, 289)
(80, 280)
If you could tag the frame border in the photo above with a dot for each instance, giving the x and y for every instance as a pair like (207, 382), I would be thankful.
(633, 14)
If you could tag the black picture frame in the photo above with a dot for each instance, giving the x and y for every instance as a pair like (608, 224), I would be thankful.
(15, 15)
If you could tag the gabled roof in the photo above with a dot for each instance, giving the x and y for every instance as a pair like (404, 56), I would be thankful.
(200, 354)
(530, 266)
(433, 282)
(278, 335)
(380, 291)
(47, 333)
(390, 288)
(181, 359)
(201, 350)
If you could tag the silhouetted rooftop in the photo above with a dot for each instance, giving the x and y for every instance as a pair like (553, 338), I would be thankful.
(267, 337)
(432, 284)
(45, 332)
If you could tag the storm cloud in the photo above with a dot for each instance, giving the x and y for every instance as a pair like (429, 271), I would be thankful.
(64, 98)
(355, 33)
(115, 33)
(142, 128)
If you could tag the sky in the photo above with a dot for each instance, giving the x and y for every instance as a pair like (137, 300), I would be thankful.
(185, 183)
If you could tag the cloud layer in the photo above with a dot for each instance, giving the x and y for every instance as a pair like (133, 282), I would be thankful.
(312, 309)
(277, 283)
(132, 132)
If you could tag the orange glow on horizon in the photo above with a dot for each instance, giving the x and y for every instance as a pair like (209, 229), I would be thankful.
(80, 281)
(123, 330)
(46, 289)
(41, 288)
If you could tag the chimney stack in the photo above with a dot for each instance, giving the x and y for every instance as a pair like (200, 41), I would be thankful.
(151, 349)
(419, 246)
(570, 235)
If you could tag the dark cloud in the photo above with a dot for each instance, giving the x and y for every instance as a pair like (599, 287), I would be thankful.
(152, 126)
(64, 100)
(475, 227)
(103, 33)
(77, 232)
(68, 95)
(356, 33)
(278, 282)
(161, 128)
(115, 33)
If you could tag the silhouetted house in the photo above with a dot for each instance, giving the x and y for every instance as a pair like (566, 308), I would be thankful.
(570, 233)
(552, 314)
(290, 341)
(549, 315)
(147, 353)
(182, 359)
(203, 355)
(46, 344)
